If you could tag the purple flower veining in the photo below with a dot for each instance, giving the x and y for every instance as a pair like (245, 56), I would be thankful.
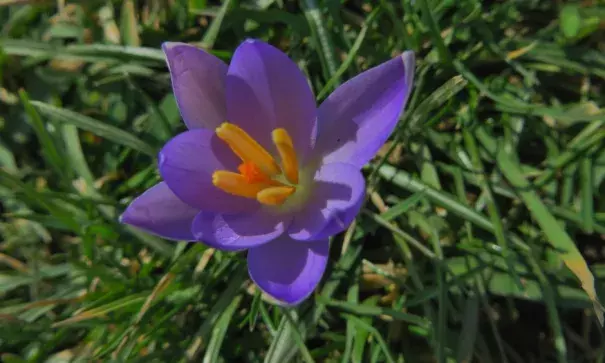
(260, 167)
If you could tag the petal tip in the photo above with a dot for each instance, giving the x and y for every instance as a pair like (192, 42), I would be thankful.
(128, 216)
(283, 300)
(293, 302)
(128, 219)
(252, 41)
(169, 46)
(287, 271)
(409, 65)
(409, 58)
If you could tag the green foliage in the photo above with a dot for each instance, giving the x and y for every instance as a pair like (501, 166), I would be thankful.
(485, 208)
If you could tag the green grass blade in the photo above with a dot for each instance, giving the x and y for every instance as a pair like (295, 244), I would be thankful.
(333, 81)
(383, 345)
(219, 331)
(50, 151)
(468, 334)
(99, 128)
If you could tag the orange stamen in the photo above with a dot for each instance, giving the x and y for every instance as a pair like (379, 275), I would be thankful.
(275, 195)
(285, 147)
(252, 173)
(247, 148)
(236, 184)
(258, 167)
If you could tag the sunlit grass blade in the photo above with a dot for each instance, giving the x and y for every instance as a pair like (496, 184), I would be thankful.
(214, 28)
(322, 38)
(75, 155)
(555, 234)
(129, 25)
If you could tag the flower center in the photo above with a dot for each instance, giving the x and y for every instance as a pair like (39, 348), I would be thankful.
(259, 176)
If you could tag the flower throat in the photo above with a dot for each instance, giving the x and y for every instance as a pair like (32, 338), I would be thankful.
(259, 174)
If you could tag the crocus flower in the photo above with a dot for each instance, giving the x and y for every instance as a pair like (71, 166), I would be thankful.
(260, 167)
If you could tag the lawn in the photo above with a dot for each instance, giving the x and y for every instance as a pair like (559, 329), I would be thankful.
(481, 238)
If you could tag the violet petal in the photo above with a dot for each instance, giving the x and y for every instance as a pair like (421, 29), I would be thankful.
(287, 270)
(234, 232)
(160, 212)
(340, 221)
(266, 90)
(356, 120)
(198, 82)
(187, 163)
(337, 194)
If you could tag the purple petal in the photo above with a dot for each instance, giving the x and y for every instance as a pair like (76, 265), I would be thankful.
(340, 222)
(337, 195)
(287, 270)
(198, 82)
(356, 120)
(160, 212)
(266, 90)
(186, 164)
(230, 232)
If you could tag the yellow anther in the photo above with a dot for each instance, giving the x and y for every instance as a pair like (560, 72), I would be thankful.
(247, 148)
(237, 184)
(275, 195)
(285, 147)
